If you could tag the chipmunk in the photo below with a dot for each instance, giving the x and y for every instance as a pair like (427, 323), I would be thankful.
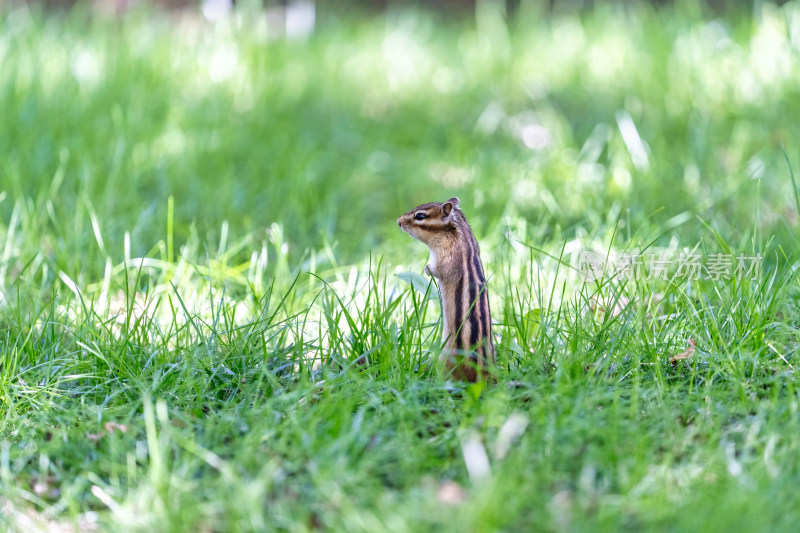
(468, 352)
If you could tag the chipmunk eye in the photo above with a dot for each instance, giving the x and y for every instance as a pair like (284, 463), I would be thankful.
(420, 216)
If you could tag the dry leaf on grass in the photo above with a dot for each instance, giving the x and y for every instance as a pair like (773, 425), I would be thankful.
(686, 354)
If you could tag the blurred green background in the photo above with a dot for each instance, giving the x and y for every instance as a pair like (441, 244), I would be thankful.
(331, 120)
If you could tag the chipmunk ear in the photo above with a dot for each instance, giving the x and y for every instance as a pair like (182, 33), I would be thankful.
(448, 206)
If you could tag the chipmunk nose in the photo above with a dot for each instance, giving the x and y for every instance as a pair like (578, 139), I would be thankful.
(398, 222)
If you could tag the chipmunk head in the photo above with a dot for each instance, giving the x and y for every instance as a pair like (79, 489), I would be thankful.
(431, 223)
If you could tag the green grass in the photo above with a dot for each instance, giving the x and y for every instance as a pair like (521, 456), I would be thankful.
(215, 265)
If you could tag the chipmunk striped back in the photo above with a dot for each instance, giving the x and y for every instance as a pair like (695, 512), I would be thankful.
(456, 264)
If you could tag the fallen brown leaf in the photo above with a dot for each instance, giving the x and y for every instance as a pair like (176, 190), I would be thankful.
(685, 354)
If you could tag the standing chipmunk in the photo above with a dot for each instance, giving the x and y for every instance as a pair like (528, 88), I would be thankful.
(456, 264)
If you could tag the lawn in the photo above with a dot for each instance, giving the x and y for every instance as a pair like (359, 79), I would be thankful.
(210, 321)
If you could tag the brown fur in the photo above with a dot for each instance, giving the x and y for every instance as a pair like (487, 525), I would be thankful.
(468, 352)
